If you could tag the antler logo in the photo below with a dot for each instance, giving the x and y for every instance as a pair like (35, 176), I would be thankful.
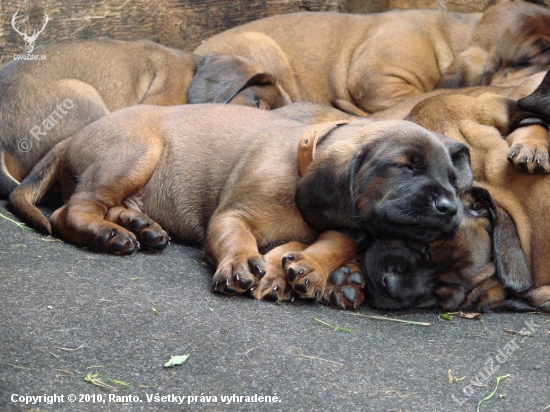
(29, 40)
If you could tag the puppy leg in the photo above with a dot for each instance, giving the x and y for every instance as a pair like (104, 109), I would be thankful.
(346, 286)
(529, 149)
(148, 232)
(82, 219)
(308, 271)
(231, 245)
(273, 285)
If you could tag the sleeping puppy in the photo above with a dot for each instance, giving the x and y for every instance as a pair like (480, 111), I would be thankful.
(512, 170)
(43, 102)
(458, 272)
(238, 180)
(376, 60)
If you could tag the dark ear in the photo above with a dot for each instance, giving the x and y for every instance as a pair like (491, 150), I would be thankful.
(460, 157)
(220, 77)
(324, 193)
(510, 262)
(472, 67)
(538, 102)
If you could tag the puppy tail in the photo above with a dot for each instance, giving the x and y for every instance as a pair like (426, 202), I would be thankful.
(29, 192)
(7, 182)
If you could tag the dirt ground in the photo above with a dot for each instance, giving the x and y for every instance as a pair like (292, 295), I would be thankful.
(81, 331)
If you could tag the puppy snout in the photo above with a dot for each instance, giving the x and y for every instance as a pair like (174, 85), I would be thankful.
(390, 282)
(445, 207)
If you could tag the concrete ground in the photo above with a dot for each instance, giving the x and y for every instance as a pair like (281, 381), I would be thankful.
(81, 331)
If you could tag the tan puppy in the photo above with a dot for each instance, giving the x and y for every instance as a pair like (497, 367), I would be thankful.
(238, 180)
(376, 60)
(43, 102)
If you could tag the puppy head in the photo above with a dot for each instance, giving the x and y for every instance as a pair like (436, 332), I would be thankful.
(222, 78)
(473, 269)
(509, 34)
(391, 178)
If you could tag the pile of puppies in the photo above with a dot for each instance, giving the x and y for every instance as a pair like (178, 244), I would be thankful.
(424, 185)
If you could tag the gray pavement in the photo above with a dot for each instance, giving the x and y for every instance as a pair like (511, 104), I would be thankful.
(68, 313)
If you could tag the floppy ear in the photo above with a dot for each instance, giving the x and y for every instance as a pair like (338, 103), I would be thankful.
(324, 193)
(220, 77)
(510, 262)
(472, 67)
(460, 157)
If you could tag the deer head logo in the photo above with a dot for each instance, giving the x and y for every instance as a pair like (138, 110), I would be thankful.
(29, 40)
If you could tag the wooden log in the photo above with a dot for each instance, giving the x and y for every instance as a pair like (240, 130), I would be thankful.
(176, 23)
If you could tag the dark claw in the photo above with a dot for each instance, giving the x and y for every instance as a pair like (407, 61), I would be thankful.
(511, 156)
(307, 281)
(260, 272)
(216, 285)
(229, 290)
(276, 288)
(286, 258)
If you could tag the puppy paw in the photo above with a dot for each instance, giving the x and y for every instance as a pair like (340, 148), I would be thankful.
(151, 236)
(305, 276)
(530, 158)
(238, 274)
(273, 287)
(539, 298)
(529, 149)
(345, 286)
(115, 241)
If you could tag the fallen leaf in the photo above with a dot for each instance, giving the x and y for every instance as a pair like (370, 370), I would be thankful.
(470, 315)
(176, 360)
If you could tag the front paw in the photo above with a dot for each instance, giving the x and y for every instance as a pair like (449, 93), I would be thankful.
(529, 158)
(117, 241)
(529, 149)
(238, 274)
(346, 286)
(273, 287)
(305, 275)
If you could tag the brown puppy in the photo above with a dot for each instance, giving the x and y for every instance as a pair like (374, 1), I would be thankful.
(43, 102)
(376, 60)
(225, 176)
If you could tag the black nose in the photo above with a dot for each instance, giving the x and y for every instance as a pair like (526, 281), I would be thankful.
(390, 282)
(445, 208)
